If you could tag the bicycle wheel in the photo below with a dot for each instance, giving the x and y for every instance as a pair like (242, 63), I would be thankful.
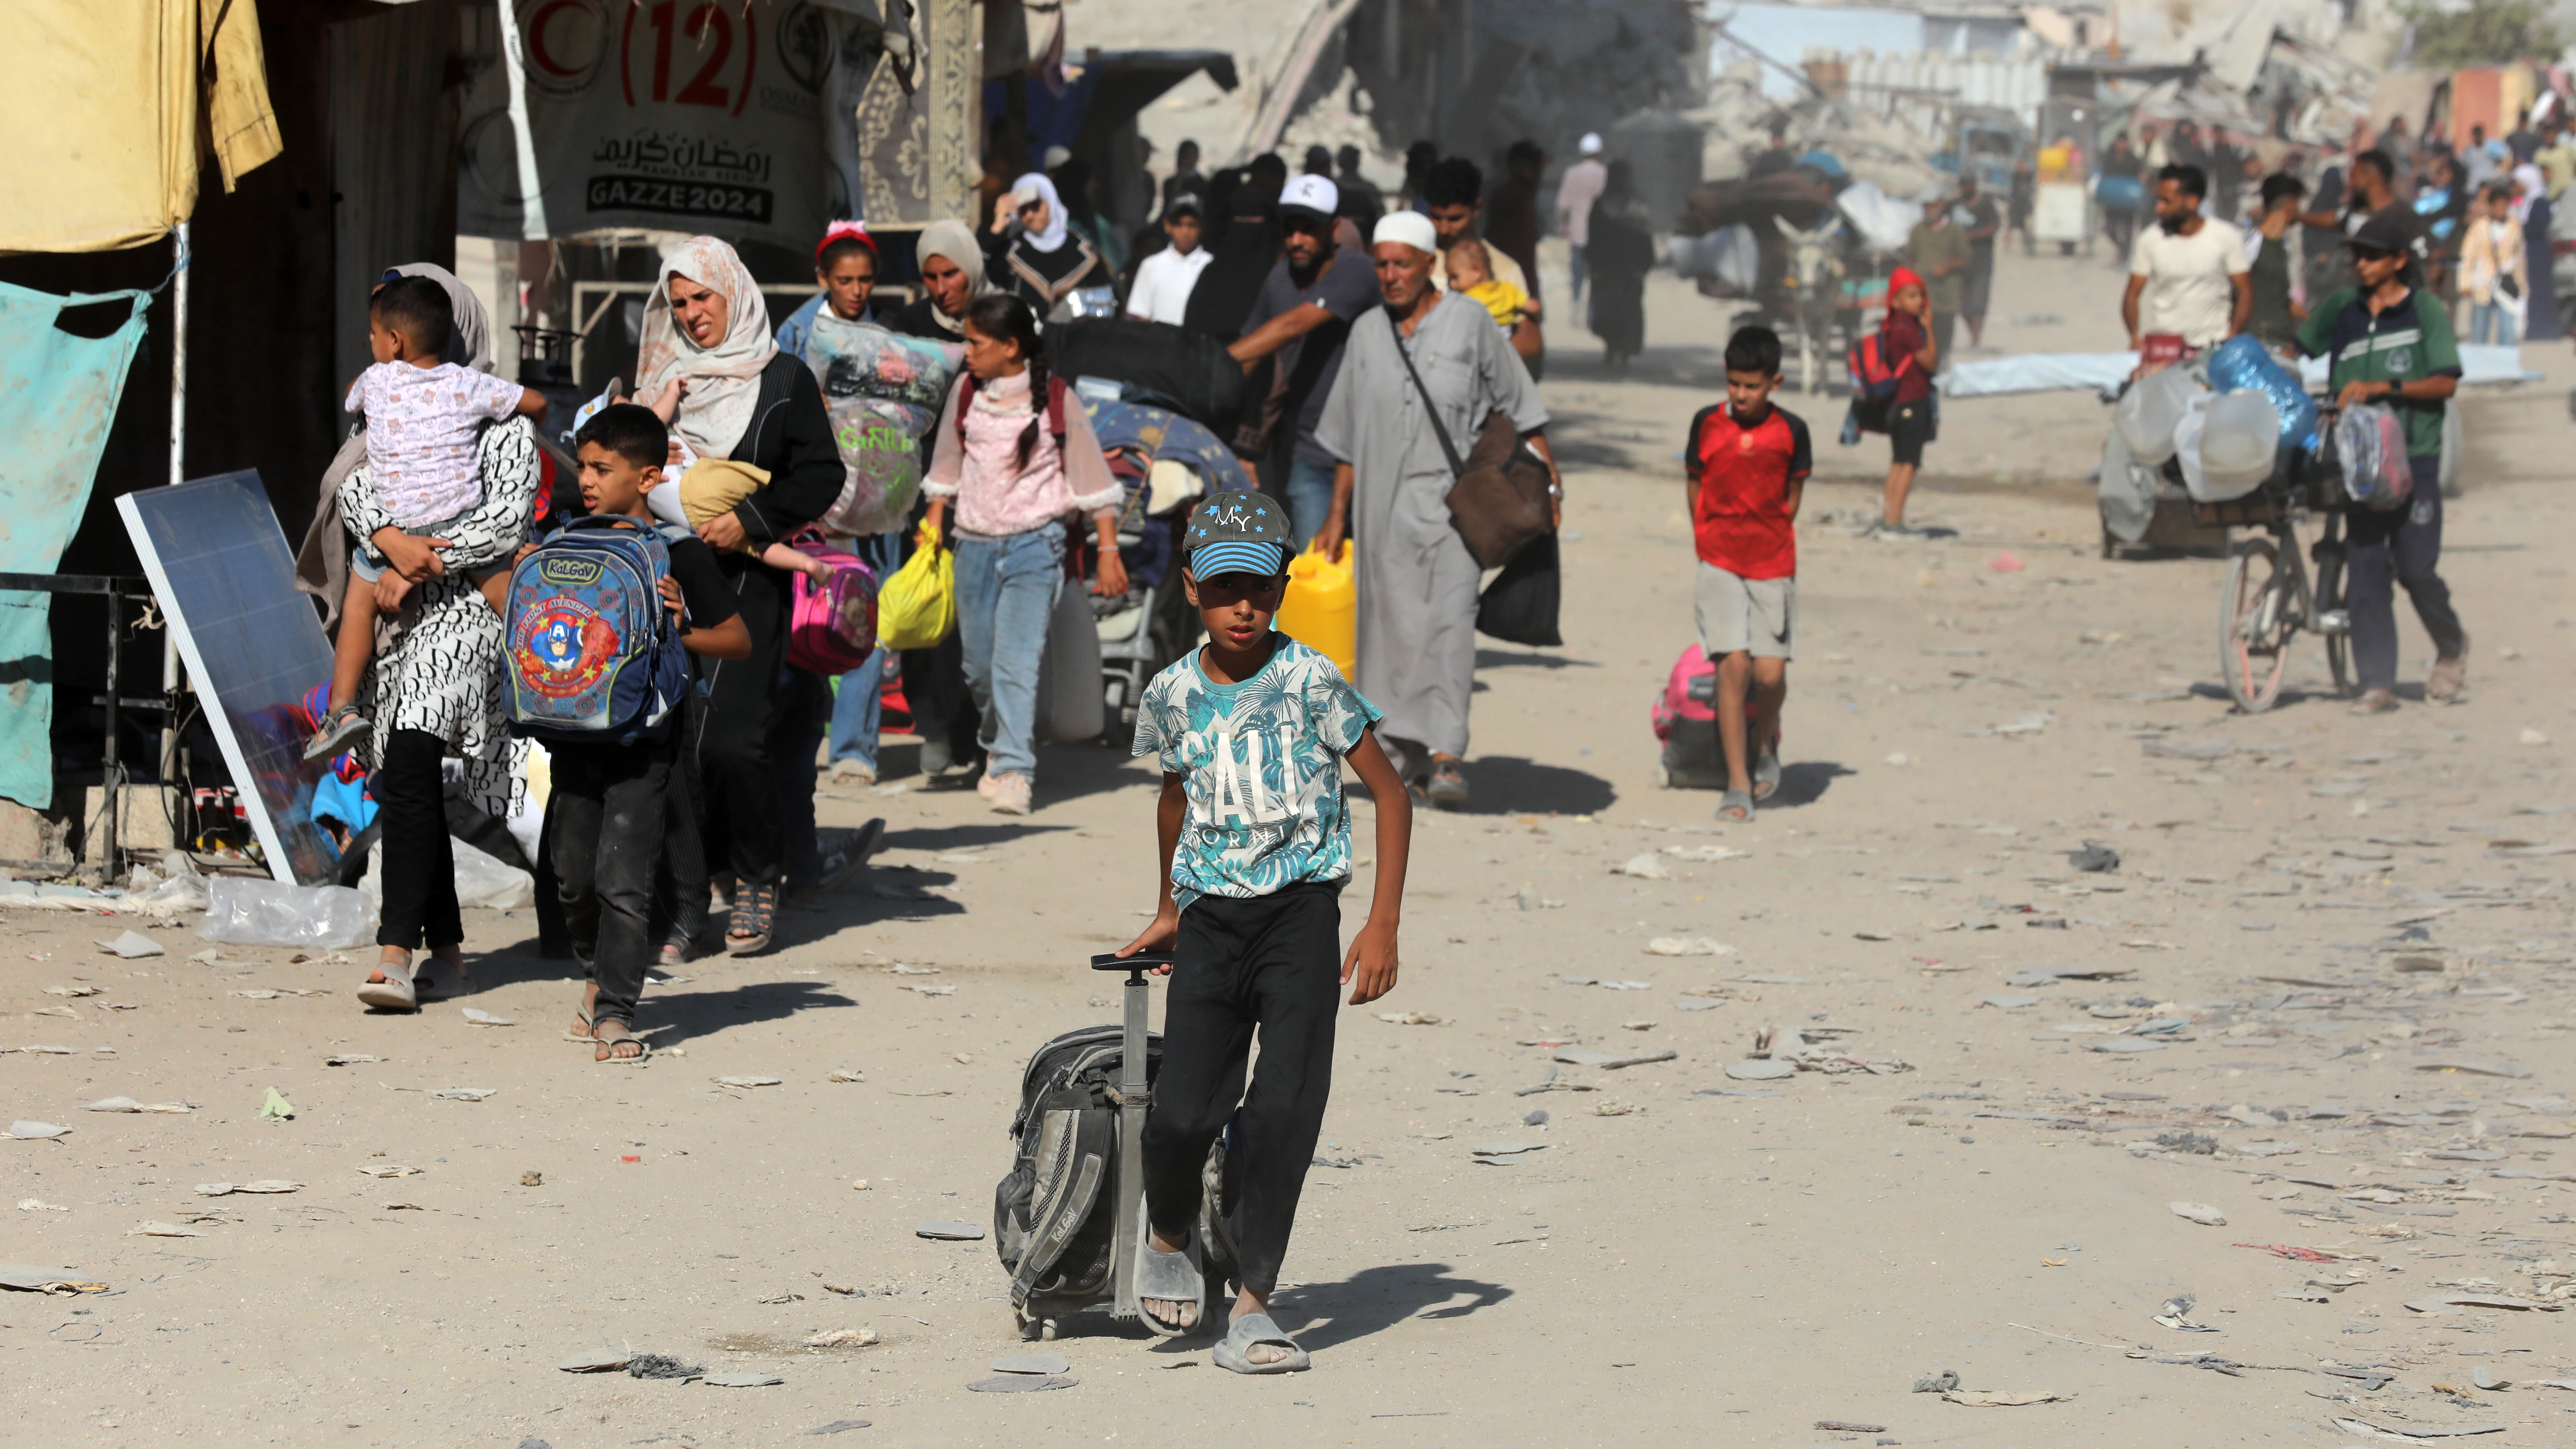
(2330, 606)
(2253, 625)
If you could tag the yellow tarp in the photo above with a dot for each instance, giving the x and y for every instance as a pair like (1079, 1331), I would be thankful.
(103, 110)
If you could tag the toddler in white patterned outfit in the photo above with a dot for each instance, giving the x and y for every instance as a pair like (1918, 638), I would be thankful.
(425, 419)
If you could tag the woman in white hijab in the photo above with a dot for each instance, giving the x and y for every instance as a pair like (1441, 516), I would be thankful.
(707, 334)
(1045, 261)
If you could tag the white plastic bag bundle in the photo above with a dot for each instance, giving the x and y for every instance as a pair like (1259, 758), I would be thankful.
(249, 911)
(1884, 222)
(2238, 443)
(2186, 444)
(2151, 408)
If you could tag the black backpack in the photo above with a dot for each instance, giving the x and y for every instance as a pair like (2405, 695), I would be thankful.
(1055, 1213)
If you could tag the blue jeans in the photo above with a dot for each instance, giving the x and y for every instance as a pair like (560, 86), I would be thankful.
(1574, 255)
(2486, 317)
(1310, 498)
(854, 706)
(1006, 590)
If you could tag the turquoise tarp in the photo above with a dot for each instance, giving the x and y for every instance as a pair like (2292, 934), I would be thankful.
(58, 393)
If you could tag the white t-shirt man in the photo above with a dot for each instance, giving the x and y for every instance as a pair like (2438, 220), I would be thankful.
(1163, 284)
(2188, 288)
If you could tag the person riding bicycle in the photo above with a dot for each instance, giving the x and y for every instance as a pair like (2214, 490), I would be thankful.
(2391, 345)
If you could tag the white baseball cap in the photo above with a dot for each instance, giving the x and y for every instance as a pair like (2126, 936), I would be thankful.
(1315, 194)
(1590, 145)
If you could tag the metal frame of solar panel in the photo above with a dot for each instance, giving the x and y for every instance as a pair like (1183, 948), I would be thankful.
(220, 566)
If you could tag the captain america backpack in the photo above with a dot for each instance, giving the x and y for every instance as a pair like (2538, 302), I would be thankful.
(594, 657)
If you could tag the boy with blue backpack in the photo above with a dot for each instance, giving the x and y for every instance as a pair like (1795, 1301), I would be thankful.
(601, 620)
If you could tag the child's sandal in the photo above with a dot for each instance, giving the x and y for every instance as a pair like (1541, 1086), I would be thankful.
(345, 727)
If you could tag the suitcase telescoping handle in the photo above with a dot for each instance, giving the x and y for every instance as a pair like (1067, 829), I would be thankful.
(1132, 1103)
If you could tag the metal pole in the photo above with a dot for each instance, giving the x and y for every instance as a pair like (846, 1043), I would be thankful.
(170, 681)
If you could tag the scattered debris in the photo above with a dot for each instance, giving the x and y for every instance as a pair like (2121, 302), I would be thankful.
(464, 1094)
(599, 1361)
(1033, 1363)
(226, 1189)
(845, 1075)
(843, 1338)
(1493, 1151)
(2095, 857)
(2201, 1213)
(479, 1017)
(1761, 1070)
(132, 945)
(1643, 866)
(388, 1169)
(949, 1232)
(128, 1104)
(1409, 1018)
(1610, 1061)
(662, 1366)
(349, 1059)
(748, 1082)
(1021, 1384)
(1940, 1383)
(276, 1108)
(1990, 1399)
(162, 1230)
(36, 1130)
(1687, 946)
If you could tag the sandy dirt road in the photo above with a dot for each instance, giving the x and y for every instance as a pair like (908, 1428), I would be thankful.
(2334, 1006)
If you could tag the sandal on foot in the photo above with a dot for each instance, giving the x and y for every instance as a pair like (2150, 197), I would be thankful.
(584, 1034)
(755, 917)
(1766, 773)
(2449, 677)
(344, 728)
(2375, 701)
(1448, 787)
(389, 988)
(1740, 803)
(1234, 1350)
(1170, 1277)
(608, 1055)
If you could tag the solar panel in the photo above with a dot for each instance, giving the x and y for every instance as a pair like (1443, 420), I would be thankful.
(225, 579)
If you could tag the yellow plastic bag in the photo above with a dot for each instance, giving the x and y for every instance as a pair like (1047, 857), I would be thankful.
(1322, 607)
(917, 607)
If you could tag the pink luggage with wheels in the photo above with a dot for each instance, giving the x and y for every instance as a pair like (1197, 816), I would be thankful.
(1685, 718)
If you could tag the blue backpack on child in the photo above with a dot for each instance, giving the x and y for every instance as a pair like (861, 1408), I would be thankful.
(594, 657)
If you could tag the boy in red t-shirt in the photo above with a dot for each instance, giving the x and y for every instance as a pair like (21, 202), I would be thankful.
(1748, 463)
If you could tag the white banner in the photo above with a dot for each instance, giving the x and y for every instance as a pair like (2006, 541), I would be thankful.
(673, 115)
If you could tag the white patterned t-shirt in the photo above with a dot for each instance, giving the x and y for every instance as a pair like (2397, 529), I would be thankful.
(1261, 763)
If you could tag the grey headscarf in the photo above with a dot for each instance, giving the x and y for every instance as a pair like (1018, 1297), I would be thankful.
(322, 564)
(955, 240)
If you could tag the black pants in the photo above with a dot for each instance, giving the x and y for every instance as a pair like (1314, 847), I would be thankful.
(739, 806)
(943, 708)
(606, 817)
(420, 868)
(2407, 542)
(1271, 962)
(796, 728)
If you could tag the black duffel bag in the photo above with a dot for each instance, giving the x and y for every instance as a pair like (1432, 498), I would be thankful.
(1158, 363)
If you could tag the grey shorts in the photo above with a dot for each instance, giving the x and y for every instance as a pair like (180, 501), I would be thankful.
(1744, 616)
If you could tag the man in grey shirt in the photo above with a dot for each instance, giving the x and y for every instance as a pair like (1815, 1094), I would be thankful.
(1417, 581)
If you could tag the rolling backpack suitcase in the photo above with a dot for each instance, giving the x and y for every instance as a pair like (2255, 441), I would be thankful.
(593, 656)
(1685, 719)
(1069, 1217)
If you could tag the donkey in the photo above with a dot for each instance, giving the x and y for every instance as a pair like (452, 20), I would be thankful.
(1815, 294)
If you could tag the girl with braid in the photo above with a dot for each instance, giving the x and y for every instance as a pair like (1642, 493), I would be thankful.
(1014, 458)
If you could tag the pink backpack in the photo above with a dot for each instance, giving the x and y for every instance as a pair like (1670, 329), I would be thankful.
(834, 626)
(1679, 701)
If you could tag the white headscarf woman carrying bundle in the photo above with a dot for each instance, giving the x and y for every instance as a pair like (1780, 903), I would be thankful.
(724, 380)
(2534, 186)
(955, 240)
